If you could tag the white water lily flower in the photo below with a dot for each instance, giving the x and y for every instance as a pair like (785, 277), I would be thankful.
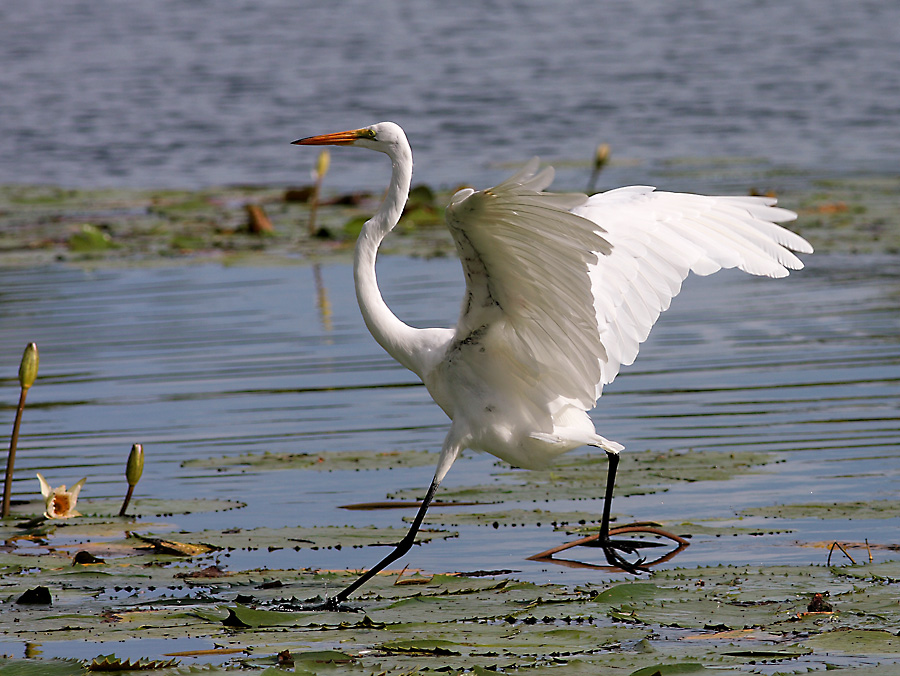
(58, 502)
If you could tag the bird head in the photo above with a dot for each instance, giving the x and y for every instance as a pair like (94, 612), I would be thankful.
(383, 137)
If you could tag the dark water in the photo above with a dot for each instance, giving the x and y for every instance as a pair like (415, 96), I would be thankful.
(183, 94)
(206, 360)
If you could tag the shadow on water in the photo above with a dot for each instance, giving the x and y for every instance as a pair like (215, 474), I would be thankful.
(205, 360)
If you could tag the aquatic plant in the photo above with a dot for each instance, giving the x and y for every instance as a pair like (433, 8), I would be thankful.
(58, 502)
(133, 471)
(322, 163)
(28, 370)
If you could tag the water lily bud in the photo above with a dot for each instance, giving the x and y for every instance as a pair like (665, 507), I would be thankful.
(322, 163)
(135, 466)
(28, 369)
(601, 156)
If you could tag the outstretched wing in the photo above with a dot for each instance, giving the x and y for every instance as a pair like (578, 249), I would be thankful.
(526, 259)
(658, 238)
(578, 283)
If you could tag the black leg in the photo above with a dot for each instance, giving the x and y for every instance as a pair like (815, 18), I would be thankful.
(613, 459)
(611, 548)
(399, 550)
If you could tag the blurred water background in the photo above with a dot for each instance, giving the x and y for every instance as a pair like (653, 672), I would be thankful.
(188, 94)
(205, 359)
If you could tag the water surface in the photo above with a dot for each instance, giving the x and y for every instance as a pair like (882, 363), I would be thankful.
(207, 360)
(175, 94)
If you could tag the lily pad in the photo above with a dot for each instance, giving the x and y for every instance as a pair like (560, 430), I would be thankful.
(868, 509)
(113, 663)
(666, 669)
(583, 476)
(512, 517)
(856, 642)
(315, 537)
(89, 238)
(723, 528)
(331, 461)
(460, 623)
(33, 667)
(138, 509)
(888, 571)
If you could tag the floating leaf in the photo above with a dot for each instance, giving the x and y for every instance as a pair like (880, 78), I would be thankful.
(323, 657)
(862, 509)
(113, 663)
(332, 461)
(518, 517)
(315, 537)
(421, 647)
(583, 475)
(243, 616)
(90, 238)
(139, 508)
(856, 642)
(889, 571)
(34, 667)
(175, 548)
(758, 654)
(625, 593)
(666, 669)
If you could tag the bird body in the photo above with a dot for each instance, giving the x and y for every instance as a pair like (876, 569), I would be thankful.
(561, 290)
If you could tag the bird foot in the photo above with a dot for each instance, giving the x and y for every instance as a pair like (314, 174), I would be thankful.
(611, 549)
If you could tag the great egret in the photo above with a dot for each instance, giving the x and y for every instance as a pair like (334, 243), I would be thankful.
(561, 289)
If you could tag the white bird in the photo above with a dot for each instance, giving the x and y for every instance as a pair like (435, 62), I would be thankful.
(561, 290)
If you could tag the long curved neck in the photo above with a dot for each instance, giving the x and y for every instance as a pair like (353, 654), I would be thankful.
(392, 334)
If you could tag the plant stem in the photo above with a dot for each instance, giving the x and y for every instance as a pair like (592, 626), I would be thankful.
(314, 206)
(11, 458)
(127, 499)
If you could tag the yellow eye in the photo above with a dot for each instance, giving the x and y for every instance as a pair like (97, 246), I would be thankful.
(367, 133)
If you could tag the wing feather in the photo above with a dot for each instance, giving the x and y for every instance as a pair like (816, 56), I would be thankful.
(526, 258)
(577, 283)
(658, 238)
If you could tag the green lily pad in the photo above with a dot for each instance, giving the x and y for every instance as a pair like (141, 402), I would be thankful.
(113, 663)
(856, 642)
(90, 238)
(314, 537)
(583, 476)
(889, 571)
(666, 669)
(438, 647)
(332, 461)
(460, 622)
(33, 667)
(242, 616)
(512, 517)
(138, 508)
(626, 593)
(869, 509)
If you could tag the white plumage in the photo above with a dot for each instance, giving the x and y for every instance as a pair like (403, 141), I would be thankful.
(561, 290)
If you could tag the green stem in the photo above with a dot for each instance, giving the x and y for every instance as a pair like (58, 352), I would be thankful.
(127, 499)
(11, 458)
(314, 206)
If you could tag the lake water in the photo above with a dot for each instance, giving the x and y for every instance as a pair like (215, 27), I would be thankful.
(204, 360)
(186, 94)
(208, 360)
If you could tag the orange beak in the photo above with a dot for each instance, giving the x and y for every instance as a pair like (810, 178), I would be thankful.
(341, 138)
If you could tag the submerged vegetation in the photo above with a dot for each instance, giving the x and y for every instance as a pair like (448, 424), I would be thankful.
(40, 224)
